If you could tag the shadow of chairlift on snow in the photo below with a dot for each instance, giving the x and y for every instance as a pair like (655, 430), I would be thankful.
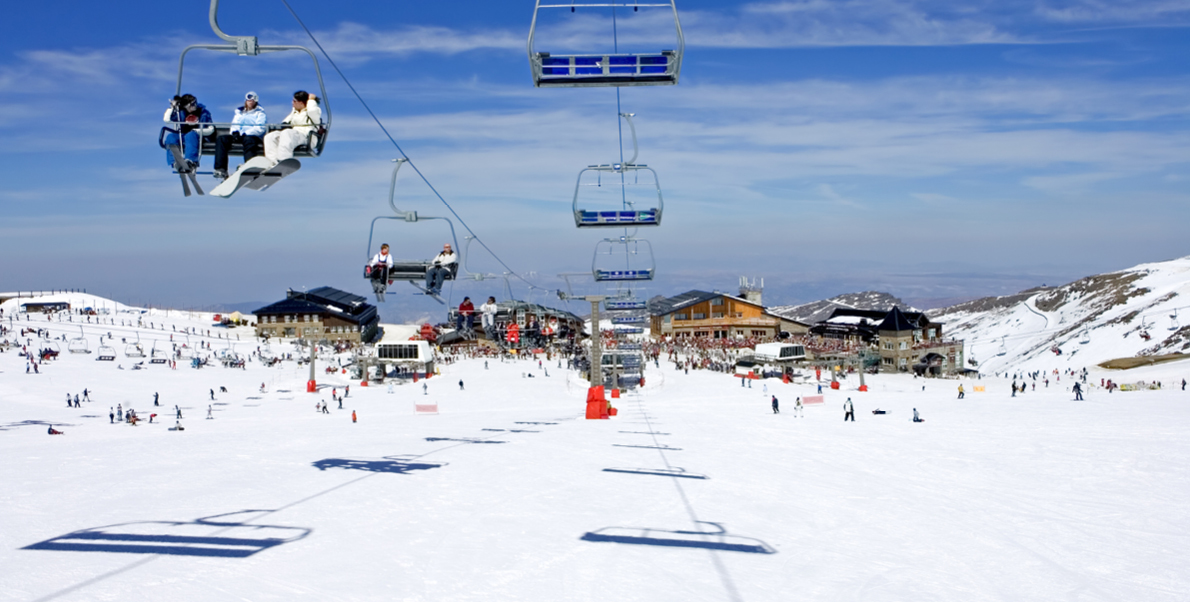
(45, 423)
(661, 447)
(390, 464)
(716, 539)
(660, 472)
(214, 536)
(462, 440)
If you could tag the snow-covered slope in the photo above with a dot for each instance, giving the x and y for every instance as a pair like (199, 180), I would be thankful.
(1092, 320)
(695, 491)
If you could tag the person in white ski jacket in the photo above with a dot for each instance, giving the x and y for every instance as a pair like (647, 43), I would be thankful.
(488, 311)
(444, 264)
(247, 128)
(304, 119)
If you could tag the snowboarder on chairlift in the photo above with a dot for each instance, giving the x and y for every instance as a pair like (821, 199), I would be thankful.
(378, 269)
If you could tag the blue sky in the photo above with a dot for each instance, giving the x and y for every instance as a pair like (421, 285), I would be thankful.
(928, 149)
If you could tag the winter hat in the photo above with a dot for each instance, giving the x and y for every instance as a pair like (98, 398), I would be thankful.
(251, 96)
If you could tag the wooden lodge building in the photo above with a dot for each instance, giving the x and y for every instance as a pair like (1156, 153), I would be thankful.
(717, 315)
(324, 313)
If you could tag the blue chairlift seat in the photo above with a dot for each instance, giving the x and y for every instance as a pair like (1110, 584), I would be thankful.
(625, 219)
(630, 320)
(610, 305)
(622, 275)
(603, 70)
(615, 69)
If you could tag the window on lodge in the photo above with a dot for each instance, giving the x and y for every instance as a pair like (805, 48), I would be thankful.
(717, 314)
(700, 316)
(718, 301)
(681, 317)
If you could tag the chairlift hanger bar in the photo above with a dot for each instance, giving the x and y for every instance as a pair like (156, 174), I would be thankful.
(248, 46)
(606, 5)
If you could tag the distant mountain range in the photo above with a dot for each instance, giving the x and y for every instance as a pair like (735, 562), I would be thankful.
(817, 311)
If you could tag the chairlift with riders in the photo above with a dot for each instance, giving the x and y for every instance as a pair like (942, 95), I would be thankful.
(412, 271)
(134, 349)
(257, 175)
(603, 69)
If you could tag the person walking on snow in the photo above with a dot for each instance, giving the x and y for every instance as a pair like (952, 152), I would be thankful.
(209, 416)
(776, 410)
(960, 391)
(848, 411)
(460, 384)
(1078, 392)
(353, 416)
(797, 408)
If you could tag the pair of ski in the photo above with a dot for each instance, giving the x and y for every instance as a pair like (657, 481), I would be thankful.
(258, 173)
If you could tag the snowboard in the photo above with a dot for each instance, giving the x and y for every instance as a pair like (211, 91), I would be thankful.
(183, 173)
(426, 293)
(258, 173)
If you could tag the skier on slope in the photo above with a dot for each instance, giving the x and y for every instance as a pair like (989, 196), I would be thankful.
(848, 411)
(797, 408)
(776, 409)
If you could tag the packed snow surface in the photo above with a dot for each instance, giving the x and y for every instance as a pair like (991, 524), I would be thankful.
(695, 491)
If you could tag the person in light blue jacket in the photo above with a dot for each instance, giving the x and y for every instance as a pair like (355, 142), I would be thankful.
(248, 129)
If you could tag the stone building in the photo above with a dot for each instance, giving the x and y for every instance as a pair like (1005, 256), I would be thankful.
(324, 313)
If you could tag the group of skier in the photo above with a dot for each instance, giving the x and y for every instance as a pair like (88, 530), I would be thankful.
(191, 121)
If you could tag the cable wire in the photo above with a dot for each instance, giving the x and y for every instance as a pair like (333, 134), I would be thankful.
(402, 151)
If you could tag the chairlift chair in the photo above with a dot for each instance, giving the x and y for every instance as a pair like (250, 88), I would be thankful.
(618, 305)
(1086, 338)
(627, 216)
(1173, 321)
(105, 353)
(79, 344)
(248, 46)
(1003, 347)
(614, 69)
(636, 251)
(157, 356)
(406, 269)
(134, 349)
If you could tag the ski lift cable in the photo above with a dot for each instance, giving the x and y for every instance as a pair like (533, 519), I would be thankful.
(367, 108)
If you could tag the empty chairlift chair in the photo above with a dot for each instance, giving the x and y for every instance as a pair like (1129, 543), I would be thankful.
(605, 69)
(623, 260)
(620, 177)
(105, 353)
(79, 344)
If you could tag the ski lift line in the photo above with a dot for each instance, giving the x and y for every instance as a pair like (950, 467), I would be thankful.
(394, 142)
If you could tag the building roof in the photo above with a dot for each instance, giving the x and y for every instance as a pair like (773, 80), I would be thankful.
(897, 321)
(323, 300)
(661, 307)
